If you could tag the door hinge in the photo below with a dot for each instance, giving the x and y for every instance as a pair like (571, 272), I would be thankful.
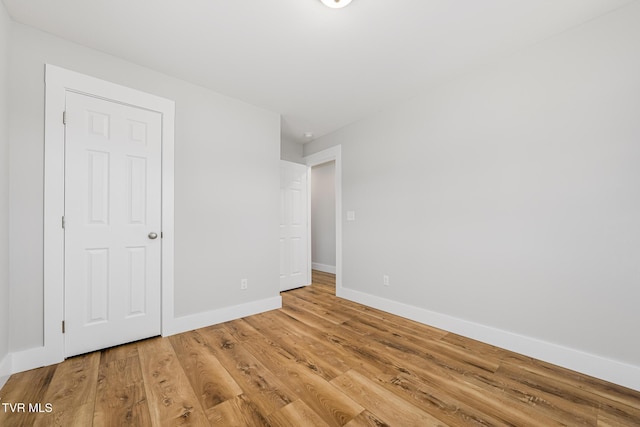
(63, 223)
(64, 117)
(161, 235)
(63, 326)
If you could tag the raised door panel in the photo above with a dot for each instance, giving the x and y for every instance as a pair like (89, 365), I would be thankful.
(136, 281)
(97, 286)
(136, 190)
(98, 187)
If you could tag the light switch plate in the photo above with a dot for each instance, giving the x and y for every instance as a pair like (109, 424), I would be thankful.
(351, 215)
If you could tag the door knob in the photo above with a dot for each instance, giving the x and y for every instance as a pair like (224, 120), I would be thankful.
(153, 235)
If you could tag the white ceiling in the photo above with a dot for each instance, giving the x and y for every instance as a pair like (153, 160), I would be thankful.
(320, 68)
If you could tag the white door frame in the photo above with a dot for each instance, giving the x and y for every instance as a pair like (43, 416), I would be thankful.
(59, 81)
(324, 156)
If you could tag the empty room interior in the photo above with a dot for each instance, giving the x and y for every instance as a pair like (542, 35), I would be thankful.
(320, 212)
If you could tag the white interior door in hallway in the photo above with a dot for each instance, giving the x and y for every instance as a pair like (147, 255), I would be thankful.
(295, 262)
(112, 221)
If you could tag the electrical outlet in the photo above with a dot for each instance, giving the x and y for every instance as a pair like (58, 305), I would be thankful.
(244, 284)
(385, 280)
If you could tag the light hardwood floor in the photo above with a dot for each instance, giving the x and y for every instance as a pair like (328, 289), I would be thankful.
(318, 361)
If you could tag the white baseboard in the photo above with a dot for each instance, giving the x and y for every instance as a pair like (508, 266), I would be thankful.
(596, 366)
(40, 356)
(324, 267)
(208, 318)
(5, 369)
(33, 358)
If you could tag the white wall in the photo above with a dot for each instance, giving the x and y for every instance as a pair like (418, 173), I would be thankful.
(291, 151)
(226, 184)
(5, 32)
(510, 198)
(323, 217)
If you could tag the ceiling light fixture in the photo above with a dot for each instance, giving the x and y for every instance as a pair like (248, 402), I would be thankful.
(308, 135)
(335, 4)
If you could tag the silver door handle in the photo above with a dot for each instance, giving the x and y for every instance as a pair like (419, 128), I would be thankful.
(153, 235)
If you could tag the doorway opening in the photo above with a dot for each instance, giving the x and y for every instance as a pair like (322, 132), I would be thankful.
(326, 216)
(323, 222)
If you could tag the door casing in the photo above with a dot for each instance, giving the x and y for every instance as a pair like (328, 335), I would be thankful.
(58, 82)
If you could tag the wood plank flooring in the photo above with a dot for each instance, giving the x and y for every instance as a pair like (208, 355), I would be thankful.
(319, 361)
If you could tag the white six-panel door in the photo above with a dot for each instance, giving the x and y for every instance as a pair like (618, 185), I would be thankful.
(295, 268)
(112, 223)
